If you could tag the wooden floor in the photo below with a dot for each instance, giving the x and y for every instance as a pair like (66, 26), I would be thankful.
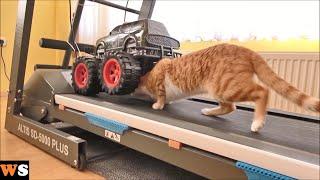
(42, 165)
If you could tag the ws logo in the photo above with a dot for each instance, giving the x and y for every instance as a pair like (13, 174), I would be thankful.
(14, 169)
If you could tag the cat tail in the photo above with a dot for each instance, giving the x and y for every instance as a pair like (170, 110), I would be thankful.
(272, 80)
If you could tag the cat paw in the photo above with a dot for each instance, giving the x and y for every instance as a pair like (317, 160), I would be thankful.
(211, 111)
(256, 126)
(157, 106)
(206, 111)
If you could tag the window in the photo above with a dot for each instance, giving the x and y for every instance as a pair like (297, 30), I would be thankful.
(195, 20)
(269, 25)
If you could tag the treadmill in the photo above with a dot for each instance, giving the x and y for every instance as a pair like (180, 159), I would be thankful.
(220, 147)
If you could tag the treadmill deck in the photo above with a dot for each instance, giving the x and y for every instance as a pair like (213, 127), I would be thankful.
(285, 145)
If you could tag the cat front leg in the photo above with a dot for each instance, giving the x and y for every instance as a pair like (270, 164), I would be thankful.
(158, 105)
(161, 97)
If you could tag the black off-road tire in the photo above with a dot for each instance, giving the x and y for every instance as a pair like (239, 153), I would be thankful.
(91, 86)
(129, 77)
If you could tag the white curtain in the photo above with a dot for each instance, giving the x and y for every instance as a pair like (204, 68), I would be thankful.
(93, 23)
(98, 20)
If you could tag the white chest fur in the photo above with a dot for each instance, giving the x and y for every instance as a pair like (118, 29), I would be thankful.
(172, 91)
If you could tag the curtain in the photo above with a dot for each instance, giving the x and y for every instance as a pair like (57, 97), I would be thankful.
(93, 23)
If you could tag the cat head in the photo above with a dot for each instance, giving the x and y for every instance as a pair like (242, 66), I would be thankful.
(142, 90)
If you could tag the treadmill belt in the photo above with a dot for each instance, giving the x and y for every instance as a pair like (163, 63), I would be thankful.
(281, 135)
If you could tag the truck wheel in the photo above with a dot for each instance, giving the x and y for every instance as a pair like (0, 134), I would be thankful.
(119, 74)
(85, 76)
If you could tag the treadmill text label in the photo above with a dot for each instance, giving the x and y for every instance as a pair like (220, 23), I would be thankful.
(112, 135)
(44, 139)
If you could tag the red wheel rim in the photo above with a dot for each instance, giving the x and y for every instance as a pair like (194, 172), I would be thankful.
(81, 75)
(111, 73)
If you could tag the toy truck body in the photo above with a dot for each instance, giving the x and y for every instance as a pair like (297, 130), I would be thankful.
(127, 53)
(142, 39)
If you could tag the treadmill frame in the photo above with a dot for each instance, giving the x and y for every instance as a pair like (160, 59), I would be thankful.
(31, 130)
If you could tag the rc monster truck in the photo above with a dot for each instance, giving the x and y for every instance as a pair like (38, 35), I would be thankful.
(128, 52)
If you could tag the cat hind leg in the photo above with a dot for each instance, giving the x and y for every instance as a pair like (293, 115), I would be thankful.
(223, 108)
(250, 91)
(260, 97)
(260, 109)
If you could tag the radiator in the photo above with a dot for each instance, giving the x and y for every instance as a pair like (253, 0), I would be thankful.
(302, 70)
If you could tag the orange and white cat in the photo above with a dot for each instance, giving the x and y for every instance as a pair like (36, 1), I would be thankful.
(225, 72)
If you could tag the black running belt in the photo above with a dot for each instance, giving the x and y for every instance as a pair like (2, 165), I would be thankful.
(290, 137)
